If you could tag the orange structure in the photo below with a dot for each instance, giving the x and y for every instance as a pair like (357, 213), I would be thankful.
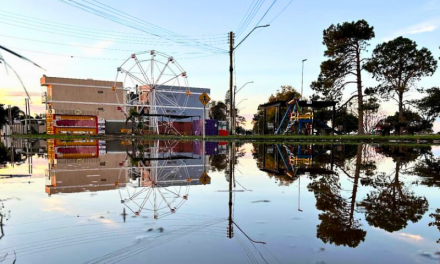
(71, 124)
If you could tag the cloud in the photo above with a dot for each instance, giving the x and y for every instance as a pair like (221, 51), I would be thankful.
(423, 27)
(410, 236)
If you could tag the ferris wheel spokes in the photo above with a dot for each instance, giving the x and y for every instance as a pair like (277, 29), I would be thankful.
(141, 69)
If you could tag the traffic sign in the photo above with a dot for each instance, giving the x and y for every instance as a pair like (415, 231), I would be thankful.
(204, 98)
(205, 179)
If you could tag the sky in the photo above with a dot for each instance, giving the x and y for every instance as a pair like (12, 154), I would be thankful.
(59, 37)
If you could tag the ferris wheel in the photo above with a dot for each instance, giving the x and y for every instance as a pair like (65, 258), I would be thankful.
(159, 185)
(155, 86)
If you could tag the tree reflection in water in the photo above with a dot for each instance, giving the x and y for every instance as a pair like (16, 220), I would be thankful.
(436, 222)
(428, 168)
(392, 205)
(338, 225)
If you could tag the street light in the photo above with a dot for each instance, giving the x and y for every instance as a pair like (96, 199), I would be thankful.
(233, 103)
(231, 69)
(236, 91)
(302, 77)
(241, 101)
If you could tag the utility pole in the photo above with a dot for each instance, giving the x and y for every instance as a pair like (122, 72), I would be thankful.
(25, 116)
(28, 128)
(231, 82)
(2, 234)
(231, 71)
(233, 107)
(11, 122)
(231, 164)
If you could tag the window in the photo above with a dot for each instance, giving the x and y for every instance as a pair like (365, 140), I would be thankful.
(100, 109)
(100, 92)
(103, 180)
(102, 163)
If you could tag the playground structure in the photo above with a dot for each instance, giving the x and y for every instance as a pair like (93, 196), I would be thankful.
(300, 114)
(294, 160)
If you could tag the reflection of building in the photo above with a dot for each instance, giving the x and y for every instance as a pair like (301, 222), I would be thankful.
(79, 166)
(180, 163)
(94, 165)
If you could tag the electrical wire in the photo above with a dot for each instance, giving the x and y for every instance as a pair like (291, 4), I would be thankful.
(257, 8)
(248, 17)
(281, 12)
(43, 21)
(267, 11)
(93, 35)
(107, 59)
(135, 23)
(71, 56)
(245, 16)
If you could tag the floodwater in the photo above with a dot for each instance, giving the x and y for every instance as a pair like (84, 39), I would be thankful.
(151, 202)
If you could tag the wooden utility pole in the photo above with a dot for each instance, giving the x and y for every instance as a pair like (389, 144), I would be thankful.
(231, 82)
(231, 164)
(11, 122)
(25, 116)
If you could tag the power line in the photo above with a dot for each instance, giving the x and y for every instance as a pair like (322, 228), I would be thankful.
(65, 55)
(83, 46)
(281, 11)
(267, 11)
(250, 18)
(88, 32)
(127, 20)
(245, 16)
(245, 23)
(94, 38)
(102, 58)
(57, 24)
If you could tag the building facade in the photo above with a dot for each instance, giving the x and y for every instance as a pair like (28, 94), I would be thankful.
(78, 106)
(84, 96)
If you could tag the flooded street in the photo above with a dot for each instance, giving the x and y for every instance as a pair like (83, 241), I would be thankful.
(92, 201)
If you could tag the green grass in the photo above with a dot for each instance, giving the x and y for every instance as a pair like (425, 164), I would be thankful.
(425, 139)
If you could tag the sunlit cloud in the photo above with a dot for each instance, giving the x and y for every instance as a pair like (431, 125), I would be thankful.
(423, 27)
(410, 236)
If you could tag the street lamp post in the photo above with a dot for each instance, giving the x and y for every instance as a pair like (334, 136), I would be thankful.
(302, 76)
(235, 113)
(231, 71)
(233, 104)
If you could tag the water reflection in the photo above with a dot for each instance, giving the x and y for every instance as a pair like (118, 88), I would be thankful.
(392, 204)
(128, 197)
(389, 206)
